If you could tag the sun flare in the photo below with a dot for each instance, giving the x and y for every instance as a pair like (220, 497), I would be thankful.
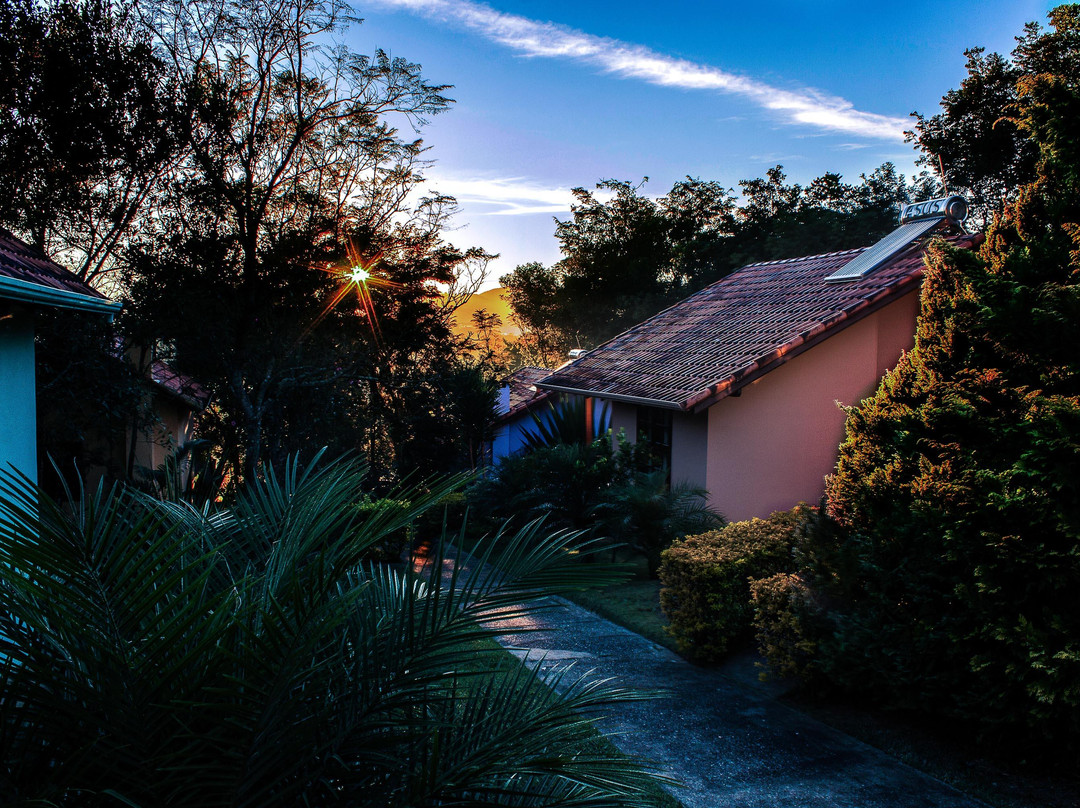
(357, 274)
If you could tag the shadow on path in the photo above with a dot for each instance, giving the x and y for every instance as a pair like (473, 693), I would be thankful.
(729, 744)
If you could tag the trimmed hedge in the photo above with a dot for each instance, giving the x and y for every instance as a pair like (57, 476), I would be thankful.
(782, 603)
(706, 578)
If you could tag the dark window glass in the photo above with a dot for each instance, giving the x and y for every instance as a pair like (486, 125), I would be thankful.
(654, 432)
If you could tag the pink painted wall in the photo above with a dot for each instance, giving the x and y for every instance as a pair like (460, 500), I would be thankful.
(771, 447)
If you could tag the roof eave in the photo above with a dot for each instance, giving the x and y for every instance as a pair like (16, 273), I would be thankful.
(644, 402)
(35, 293)
(800, 344)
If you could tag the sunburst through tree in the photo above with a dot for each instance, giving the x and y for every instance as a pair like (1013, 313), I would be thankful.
(357, 275)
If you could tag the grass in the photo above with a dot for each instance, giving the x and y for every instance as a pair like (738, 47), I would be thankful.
(634, 605)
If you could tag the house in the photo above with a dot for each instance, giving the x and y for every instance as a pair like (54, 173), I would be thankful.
(174, 400)
(521, 403)
(519, 399)
(739, 387)
(28, 281)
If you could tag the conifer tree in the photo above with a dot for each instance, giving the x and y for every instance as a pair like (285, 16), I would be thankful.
(953, 581)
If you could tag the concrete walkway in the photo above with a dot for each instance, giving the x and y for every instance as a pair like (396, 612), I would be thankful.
(729, 743)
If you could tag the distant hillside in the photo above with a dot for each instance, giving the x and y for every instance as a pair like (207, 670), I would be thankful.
(493, 303)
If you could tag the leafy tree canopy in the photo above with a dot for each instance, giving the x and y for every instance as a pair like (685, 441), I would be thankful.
(225, 167)
(952, 578)
(627, 255)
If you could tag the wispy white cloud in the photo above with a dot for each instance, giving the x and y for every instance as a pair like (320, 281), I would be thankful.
(504, 196)
(550, 40)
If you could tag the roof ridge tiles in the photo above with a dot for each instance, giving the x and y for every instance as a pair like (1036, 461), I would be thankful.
(798, 258)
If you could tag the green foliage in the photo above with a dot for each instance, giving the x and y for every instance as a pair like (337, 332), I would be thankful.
(158, 653)
(564, 482)
(978, 137)
(564, 422)
(782, 613)
(647, 513)
(949, 576)
(627, 258)
(391, 546)
(447, 516)
(89, 127)
(707, 578)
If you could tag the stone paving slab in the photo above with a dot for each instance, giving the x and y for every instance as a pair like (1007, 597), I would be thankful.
(729, 744)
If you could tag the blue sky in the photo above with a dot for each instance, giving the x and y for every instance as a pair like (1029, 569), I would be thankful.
(559, 94)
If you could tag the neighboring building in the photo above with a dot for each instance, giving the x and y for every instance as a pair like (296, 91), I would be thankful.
(740, 386)
(518, 400)
(29, 280)
(521, 403)
(174, 402)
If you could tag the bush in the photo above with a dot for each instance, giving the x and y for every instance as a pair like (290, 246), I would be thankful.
(782, 609)
(395, 541)
(449, 512)
(649, 515)
(160, 654)
(706, 578)
(564, 483)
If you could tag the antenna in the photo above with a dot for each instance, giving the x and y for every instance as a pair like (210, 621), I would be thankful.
(944, 182)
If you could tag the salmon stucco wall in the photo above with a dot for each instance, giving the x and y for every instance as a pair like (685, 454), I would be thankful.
(771, 446)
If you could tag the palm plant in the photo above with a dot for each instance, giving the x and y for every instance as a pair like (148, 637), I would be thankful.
(159, 653)
(649, 514)
(565, 422)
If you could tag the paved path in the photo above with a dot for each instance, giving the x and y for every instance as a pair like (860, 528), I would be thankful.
(731, 744)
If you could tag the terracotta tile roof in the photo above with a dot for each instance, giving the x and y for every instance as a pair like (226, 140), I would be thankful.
(523, 391)
(22, 262)
(176, 384)
(716, 341)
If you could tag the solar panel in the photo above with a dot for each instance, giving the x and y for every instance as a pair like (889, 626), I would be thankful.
(873, 257)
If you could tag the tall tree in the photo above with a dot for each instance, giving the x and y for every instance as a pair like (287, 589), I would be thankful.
(958, 489)
(87, 127)
(627, 256)
(984, 151)
(295, 177)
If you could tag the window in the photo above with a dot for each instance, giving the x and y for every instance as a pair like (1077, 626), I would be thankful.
(654, 432)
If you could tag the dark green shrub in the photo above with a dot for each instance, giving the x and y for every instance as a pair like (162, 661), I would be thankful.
(706, 578)
(564, 483)
(951, 575)
(648, 514)
(449, 511)
(395, 541)
(782, 624)
(159, 654)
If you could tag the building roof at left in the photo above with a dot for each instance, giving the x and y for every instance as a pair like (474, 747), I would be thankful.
(29, 276)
